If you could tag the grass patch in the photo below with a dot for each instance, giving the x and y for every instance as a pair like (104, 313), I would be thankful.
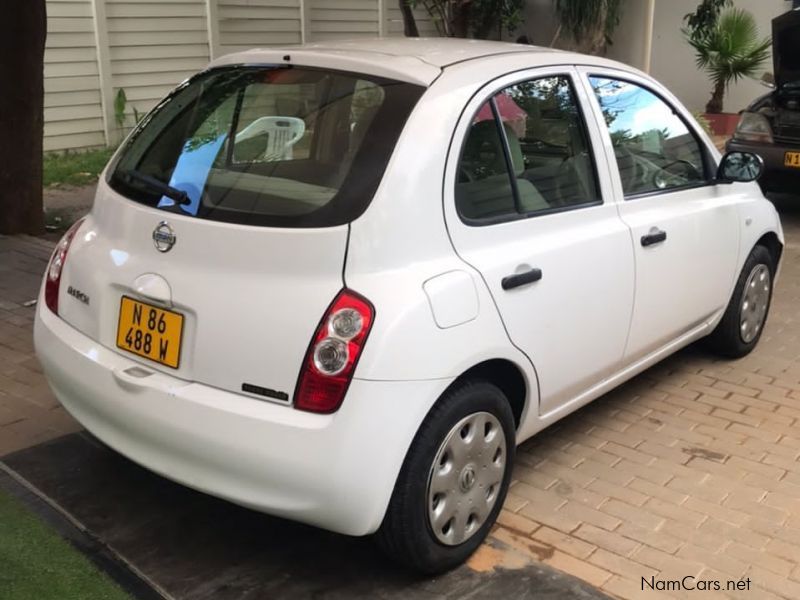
(36, 563)
(75, 168)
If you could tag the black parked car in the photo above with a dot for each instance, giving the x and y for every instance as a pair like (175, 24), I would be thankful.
(770, 126)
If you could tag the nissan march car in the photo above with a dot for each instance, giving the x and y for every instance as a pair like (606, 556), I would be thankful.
(340, 283)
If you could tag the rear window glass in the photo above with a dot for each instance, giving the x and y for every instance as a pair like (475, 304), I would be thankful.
(275, 146)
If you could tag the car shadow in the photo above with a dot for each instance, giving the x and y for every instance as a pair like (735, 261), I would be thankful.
(194, 546)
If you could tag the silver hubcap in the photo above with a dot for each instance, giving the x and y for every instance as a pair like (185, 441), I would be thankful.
(754, 303)
(465, 478)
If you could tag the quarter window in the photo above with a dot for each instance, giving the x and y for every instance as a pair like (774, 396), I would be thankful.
(654, 148)
(526, 153)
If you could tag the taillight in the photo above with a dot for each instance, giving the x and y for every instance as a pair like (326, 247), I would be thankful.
(52, 281)
(333, 354)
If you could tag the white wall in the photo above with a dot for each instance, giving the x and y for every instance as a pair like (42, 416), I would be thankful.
(630, 39)
(673, 59)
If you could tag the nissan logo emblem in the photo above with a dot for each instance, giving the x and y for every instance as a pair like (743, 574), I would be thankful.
(163, 237)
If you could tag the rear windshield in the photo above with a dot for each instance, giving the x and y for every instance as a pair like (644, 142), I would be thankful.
(276, 146)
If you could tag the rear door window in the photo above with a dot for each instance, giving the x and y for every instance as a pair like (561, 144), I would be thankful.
(527, 153)
(275, 146)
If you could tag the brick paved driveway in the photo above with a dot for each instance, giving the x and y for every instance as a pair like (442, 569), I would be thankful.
(689, 469)
(29, 414)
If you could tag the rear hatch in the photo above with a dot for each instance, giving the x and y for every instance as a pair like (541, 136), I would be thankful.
(786, 58)
(786, 48)
(218, 237)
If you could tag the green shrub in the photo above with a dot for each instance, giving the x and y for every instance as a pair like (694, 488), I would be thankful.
(75, 167)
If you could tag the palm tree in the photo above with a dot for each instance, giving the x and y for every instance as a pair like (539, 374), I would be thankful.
(731, 50)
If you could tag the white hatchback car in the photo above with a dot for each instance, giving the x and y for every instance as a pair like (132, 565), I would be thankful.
(340, 283)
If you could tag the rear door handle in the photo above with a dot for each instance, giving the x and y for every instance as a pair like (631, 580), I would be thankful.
(656, 236)
(519, 279)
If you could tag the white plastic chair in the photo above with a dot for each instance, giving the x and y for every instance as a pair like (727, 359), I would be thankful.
(282, 134)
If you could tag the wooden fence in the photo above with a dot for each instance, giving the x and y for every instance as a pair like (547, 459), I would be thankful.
(146, 47)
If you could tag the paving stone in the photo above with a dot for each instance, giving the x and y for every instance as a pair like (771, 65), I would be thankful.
(570, 544)
(611, 541)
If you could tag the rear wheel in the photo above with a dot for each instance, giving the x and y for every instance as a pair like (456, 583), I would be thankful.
(454, 480)
(743, 322)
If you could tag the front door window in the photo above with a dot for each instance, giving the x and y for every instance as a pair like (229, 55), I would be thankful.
(654, 148)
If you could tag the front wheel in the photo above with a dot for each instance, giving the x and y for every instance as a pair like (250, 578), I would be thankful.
(743, 322)
(454, 480)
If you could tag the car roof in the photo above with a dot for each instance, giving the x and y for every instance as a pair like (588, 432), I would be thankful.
(416, 60)
(439, 52)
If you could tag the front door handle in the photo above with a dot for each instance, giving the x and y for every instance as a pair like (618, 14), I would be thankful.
(655, 236)
(519, 279)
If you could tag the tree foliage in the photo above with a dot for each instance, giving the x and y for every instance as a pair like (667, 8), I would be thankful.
(589, 24)
(479, 19)
(729, 51)
(702, 21)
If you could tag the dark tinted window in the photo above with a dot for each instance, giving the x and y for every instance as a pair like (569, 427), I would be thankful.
(538, 162)
(484, 187)
(655, 150)
(280, 146)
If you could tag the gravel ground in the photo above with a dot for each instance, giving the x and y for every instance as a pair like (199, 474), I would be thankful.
(63, 205)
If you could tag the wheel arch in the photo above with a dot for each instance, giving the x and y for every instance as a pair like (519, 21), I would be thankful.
(507, 376)
(773, 245)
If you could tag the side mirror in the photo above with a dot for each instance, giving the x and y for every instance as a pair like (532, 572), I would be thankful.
(740, 167)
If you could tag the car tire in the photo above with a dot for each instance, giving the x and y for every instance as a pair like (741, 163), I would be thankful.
(743, 322)
(450, 480)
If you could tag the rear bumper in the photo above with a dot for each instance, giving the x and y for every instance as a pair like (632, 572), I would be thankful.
(333, 471)
(777, 176)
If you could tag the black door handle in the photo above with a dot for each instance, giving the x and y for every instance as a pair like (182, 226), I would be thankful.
(520, 279)
(656, 236)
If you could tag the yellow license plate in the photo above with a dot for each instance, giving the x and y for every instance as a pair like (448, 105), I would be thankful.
(150, 331)
(792, 159)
